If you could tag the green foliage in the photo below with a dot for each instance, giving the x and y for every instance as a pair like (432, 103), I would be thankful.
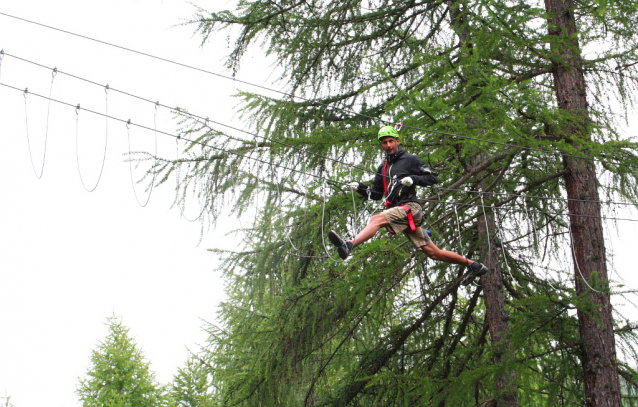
(6, 401)
(389, 328)
(191, 385)
(118, 375)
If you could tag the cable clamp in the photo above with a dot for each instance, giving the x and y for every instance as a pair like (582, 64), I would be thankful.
(157, 105)
(128, 124)
(107, 88)
(54, 72)
(398, 126)
(77, 109)
(24, 93)
(1, 54)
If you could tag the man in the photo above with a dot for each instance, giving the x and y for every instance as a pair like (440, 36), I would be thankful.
(397, 179)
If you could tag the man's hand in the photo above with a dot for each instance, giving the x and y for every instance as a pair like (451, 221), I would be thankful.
(407, 181)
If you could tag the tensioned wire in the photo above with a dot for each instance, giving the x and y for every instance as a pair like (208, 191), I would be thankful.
(227, 151)
(207, 120)
(307, 99)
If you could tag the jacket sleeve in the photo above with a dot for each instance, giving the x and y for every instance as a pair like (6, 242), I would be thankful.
(422, 175)
(376, 190)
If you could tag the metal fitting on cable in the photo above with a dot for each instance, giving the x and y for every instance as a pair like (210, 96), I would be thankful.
(77, 109)
(398, 126)
(128, 124)
(24, 93)
(54, 72)
(107, 88)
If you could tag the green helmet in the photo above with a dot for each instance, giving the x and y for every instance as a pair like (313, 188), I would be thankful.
(388, 131)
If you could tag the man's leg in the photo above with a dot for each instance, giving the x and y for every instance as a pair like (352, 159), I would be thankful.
(433, 252)
(344, 247)
(476, 268)
(376, 222)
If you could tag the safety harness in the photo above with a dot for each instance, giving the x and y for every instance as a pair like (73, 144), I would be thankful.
(388, 203)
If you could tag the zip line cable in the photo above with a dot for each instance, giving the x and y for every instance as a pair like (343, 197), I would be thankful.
(77, 142)
(178, 137)
(46, 134)
(351, 166)
(307, 99)
(130, 165)
(230, 152)
(206, 120)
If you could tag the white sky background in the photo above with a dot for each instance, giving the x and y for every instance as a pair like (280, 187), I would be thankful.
(68, 258)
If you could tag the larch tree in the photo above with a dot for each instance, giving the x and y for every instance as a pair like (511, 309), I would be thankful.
(493, 95)
(119, 376)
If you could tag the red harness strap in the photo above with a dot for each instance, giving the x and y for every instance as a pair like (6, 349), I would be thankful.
(388, 203)
(385, 184)
(410, 218)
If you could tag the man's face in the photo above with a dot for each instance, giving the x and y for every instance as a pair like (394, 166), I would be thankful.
(390, 144)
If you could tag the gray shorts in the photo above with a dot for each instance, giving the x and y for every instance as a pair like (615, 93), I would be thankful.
(397, 217)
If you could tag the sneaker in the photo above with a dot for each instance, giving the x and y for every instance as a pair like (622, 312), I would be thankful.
(343, 247)
(478, 269)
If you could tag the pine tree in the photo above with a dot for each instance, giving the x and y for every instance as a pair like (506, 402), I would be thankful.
(191, 385)
(119, 376)
(387, 327)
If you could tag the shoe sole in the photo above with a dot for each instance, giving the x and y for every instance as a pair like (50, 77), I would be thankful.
(343, 252)
(472, 275)
(482, 271)
(335, 239)
(468, 279)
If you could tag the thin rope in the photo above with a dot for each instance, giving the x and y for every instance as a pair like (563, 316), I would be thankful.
(397, 125)
(577, 264)
(349, 165)
(77, 148)
(177, 174)
(354, 208)
(487, 229)
(366, 209)
(130, 165)
(515, 195)
(612, 265)
(458, 229)
(536, 237)
(281, 211)
(501, 234)
(1, 58)
(46, 134)
(294, 169)
(323, 214)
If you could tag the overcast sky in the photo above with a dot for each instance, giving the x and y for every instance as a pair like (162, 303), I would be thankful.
(69, 258)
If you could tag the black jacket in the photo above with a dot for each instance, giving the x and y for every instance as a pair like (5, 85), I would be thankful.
(398, 166)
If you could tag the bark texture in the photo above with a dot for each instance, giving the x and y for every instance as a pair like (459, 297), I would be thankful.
(495, 311)
(602, 386)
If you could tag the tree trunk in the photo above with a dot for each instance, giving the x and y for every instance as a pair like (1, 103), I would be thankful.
(602, 386)
(495, 311)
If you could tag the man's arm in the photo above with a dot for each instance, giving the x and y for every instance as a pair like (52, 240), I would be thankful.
(375, 191)
(423, 176)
